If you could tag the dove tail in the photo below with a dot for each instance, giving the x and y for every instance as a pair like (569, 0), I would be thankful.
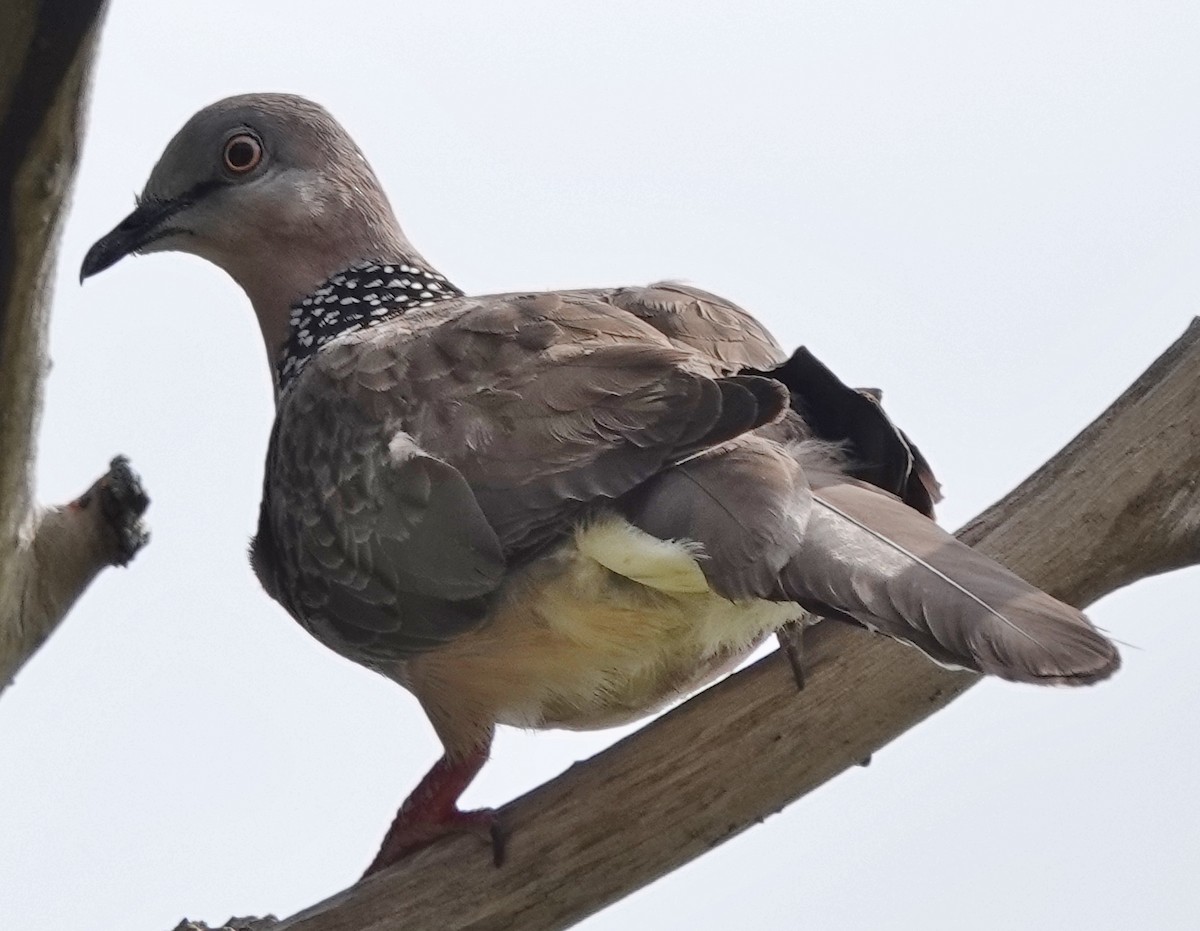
(868, 557)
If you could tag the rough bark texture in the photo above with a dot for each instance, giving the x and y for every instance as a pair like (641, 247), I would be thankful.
(1121, 502)
(266, 923)
(47, 556)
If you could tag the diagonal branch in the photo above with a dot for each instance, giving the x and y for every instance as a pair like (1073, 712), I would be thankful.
(1119, 503)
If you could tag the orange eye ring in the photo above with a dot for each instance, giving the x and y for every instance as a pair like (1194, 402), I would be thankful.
(242, 154)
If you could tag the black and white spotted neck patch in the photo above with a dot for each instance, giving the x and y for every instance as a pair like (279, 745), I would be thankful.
(362, 296)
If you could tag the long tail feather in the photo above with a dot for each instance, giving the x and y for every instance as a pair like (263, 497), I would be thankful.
(928, 567)
(869, 557)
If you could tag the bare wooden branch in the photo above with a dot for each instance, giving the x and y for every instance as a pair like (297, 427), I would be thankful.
(1119, 503)
(47, 557)
(60, 550)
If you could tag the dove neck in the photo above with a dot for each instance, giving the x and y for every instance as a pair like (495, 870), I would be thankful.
(359, 297)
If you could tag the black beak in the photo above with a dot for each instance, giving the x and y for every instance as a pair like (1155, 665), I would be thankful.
(146, 224)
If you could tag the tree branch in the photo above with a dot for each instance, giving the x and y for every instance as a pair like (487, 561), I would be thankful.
(47, 557)
(60, 550)
(1119, 503)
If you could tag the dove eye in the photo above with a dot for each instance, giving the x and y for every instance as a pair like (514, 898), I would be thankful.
(243, 153)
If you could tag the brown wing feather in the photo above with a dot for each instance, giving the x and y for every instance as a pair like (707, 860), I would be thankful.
(377, 547)
(548, 404)
(727, 337)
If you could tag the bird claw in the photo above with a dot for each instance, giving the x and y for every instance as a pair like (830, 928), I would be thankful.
(483, 823)
(791, 641)
(408, 835)
(499, 839)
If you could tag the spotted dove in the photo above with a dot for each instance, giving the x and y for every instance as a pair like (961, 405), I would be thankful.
(557, 509)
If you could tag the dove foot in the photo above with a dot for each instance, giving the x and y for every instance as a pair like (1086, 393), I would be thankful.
(432, 812)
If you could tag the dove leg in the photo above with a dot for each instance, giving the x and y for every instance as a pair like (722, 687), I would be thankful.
(431, 812)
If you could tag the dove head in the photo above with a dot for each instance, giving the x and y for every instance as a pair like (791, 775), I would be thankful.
(270, 188)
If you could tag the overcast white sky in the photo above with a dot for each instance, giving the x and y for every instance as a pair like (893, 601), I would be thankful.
(991, 210)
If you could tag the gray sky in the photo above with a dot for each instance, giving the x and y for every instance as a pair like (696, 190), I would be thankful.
(991, 210)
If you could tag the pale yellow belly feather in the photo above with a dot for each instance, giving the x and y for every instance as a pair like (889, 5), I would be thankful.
(609, 628)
